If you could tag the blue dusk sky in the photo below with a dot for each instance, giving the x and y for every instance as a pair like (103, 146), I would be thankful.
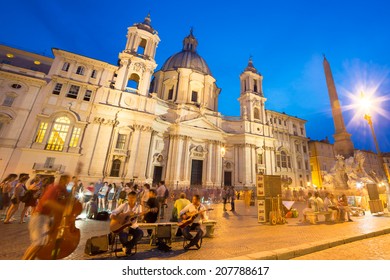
(287, 40)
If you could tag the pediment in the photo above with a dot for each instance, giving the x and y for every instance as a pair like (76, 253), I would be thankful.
(201, 122)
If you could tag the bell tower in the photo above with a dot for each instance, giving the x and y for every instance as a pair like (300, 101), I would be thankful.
(136, 62)
(252, 101)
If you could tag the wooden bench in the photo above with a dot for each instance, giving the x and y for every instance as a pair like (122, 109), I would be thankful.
(209, 225)
(313, 216)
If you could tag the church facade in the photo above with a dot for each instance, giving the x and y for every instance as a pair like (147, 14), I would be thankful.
(129, 122)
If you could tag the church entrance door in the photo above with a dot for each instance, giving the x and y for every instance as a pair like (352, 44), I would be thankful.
(157, 174)
(196, 173)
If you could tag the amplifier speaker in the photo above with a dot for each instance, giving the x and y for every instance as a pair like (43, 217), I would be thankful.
(96, 245)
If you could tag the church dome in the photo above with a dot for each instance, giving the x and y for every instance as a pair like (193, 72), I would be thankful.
(187, 58)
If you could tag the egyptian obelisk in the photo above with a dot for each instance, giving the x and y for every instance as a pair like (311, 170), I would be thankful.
(342, 139)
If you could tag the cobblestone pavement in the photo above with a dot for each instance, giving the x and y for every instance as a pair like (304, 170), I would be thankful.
(238, 235)
(376, 248)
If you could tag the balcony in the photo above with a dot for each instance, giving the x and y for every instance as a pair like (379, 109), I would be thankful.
(48, 168)
(121, 152)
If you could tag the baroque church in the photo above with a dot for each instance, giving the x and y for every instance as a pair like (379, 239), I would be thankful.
(129, 122)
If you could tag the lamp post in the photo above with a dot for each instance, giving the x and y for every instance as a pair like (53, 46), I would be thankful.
(222, 155)
(368, 118)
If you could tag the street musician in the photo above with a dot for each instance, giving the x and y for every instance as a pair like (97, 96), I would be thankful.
(191, 216)
(124, 222)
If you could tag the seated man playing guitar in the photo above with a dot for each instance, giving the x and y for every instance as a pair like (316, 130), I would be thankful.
(125, 216)
(191, 215)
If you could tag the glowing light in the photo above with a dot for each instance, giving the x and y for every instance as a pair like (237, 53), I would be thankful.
(359, 185)
(10, 55)
(37, 62)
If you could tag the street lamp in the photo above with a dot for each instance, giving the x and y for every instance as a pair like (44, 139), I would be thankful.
(365, 104)
(222, 155)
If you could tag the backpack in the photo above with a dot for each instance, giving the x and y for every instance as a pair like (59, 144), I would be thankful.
(166, 194)
(102, 216)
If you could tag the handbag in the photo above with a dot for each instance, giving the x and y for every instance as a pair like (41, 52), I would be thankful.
(28, 195)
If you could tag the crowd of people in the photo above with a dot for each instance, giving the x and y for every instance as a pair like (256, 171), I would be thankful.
(338, 206)
(19, 191)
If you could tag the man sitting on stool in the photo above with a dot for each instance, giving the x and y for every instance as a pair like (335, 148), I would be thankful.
(130, 208)
(191, 210)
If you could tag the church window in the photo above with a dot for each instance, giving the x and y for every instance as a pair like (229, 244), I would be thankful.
(94, 74)
(80, 70)
(142, 47)
(41, 132)
(306, 165)
(301, 130)
(283, 156)
(297, 148)
(87, 95)
(255, 86)
(9, 100)
(65, 67)
(133, 81)
(74, 139)
(170, 94)
(299, 163)
(289, 161)
(57, 89)
(194, 96)
(116, 166)
(58, 134)
(278, 160)
(304, 149)
(121, 141)
(259, 158)
(73, 92)
(256, 113)
(280, 121)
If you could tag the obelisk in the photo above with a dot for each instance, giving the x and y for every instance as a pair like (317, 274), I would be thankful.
(342, 139)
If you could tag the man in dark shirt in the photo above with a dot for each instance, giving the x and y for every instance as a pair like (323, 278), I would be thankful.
(152, 205)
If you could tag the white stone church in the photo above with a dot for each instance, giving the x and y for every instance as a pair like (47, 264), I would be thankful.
(129, 122)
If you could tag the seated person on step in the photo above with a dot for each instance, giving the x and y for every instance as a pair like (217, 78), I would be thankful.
(125, 210)
(311, 206)
(331, 205)
(193, 213)
(320, 202)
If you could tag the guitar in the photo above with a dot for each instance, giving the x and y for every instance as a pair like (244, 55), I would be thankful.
(124, 220)
(191, 217)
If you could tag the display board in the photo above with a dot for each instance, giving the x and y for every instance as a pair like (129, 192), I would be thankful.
(267, 186)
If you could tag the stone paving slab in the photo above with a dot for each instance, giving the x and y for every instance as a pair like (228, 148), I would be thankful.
(238, 235)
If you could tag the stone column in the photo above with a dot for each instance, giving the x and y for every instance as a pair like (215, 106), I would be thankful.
(142, 153)
(210, 155)
(134, 151)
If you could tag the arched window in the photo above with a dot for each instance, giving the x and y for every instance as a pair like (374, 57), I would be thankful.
(133, 81)
(141, 47)
(256, 114)
(58, 134)
(283, 157)
(116, 166)
(80, 70)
